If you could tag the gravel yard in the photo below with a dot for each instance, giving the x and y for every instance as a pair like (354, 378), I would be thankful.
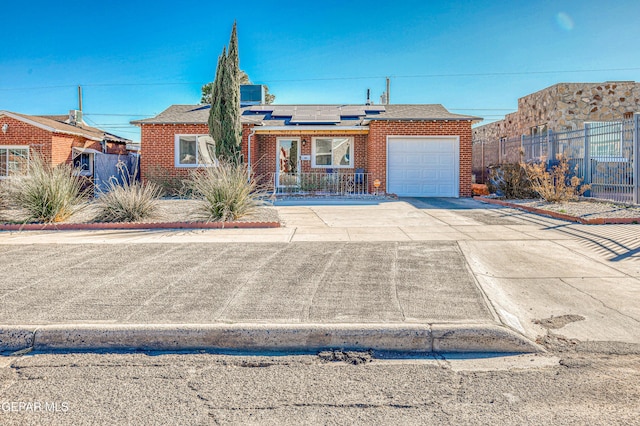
(169, 210)
(584, 208)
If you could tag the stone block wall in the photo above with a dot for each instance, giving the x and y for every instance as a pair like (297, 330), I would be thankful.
(561, 107)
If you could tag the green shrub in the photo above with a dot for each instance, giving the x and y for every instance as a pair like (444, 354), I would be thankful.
(47, 193)
(226, 192)
(511, 181)
(128, 202)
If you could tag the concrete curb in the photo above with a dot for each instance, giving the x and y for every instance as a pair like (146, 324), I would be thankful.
(15, 338)
(136, 225)
(267, 337)
(562, 216)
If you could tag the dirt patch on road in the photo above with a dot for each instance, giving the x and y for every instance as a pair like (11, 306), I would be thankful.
(558, 344)
(558, 322)
(349, 357)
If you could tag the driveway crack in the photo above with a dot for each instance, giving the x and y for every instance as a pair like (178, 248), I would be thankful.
(599, 301)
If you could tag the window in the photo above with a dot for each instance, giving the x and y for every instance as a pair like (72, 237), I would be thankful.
(332, 152)
(84, 164)
(503, 145)
(605, 140)
(195, 151)
(540, 130)
(14, 160)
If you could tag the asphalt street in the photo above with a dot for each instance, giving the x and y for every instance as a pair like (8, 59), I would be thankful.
(570, 388)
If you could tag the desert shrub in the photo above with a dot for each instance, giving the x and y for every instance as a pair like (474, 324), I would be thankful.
(557, 184)
(169, 185)
(511, 181)
(131, 201)
(3, 195)
(47, 193)
(225, 192)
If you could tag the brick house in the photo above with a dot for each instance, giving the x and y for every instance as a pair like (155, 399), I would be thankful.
(413, 150)
(558, 108)
(58, 139)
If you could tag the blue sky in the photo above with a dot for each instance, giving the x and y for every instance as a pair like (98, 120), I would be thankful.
(135, 58)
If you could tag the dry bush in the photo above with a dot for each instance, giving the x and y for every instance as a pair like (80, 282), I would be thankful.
(225, 192)
(47, 193)
(511, 181)
(128, 202)
(556, 185)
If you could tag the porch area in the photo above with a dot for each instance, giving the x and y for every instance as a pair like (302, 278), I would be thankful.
(326, 182)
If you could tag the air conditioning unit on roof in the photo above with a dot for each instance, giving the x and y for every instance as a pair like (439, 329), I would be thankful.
(251, 94)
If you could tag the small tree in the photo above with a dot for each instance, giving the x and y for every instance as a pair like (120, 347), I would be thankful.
(224, 118)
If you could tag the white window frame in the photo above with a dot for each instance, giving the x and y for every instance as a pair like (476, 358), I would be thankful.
(9, 147)
(176, 151)
(81, 171)
(331, 166)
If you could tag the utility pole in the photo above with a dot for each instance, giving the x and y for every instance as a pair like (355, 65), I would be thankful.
(388, 90)
(79, 98)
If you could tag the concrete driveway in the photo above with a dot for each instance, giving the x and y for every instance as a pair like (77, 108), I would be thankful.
(535, 275)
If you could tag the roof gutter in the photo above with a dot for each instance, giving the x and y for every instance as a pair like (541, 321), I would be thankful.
(424, 119)
(296, 130)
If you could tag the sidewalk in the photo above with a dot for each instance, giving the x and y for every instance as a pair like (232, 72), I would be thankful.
(424, 275)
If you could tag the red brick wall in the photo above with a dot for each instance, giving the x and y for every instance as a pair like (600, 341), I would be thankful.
(20, 133)
(54, 147)
(377, 145)
(157, 147)
(61, 147)
(158, 142)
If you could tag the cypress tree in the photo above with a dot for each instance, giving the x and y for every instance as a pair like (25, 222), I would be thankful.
(224, 117)
(215, 113)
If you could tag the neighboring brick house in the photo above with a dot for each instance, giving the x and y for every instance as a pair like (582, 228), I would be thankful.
(414, 150)
(558, 108)
(58, 139)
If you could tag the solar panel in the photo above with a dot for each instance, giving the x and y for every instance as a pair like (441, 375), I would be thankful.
(374, 108)
(315, 117)
(318, 113)
(261, 108)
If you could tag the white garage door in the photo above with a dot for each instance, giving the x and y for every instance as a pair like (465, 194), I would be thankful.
(423, 167)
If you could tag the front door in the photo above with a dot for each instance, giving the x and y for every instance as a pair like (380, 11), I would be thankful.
(288, 159)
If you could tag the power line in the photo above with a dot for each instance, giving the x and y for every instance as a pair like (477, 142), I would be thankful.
(487, 74)
(117, 115)
(480, 109)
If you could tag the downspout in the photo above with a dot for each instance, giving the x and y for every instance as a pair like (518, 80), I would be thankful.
(253, 131)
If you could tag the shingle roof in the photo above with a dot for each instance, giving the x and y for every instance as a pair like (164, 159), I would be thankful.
(281, 115)
(54, 123)
(420, 112)
(183, 114)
